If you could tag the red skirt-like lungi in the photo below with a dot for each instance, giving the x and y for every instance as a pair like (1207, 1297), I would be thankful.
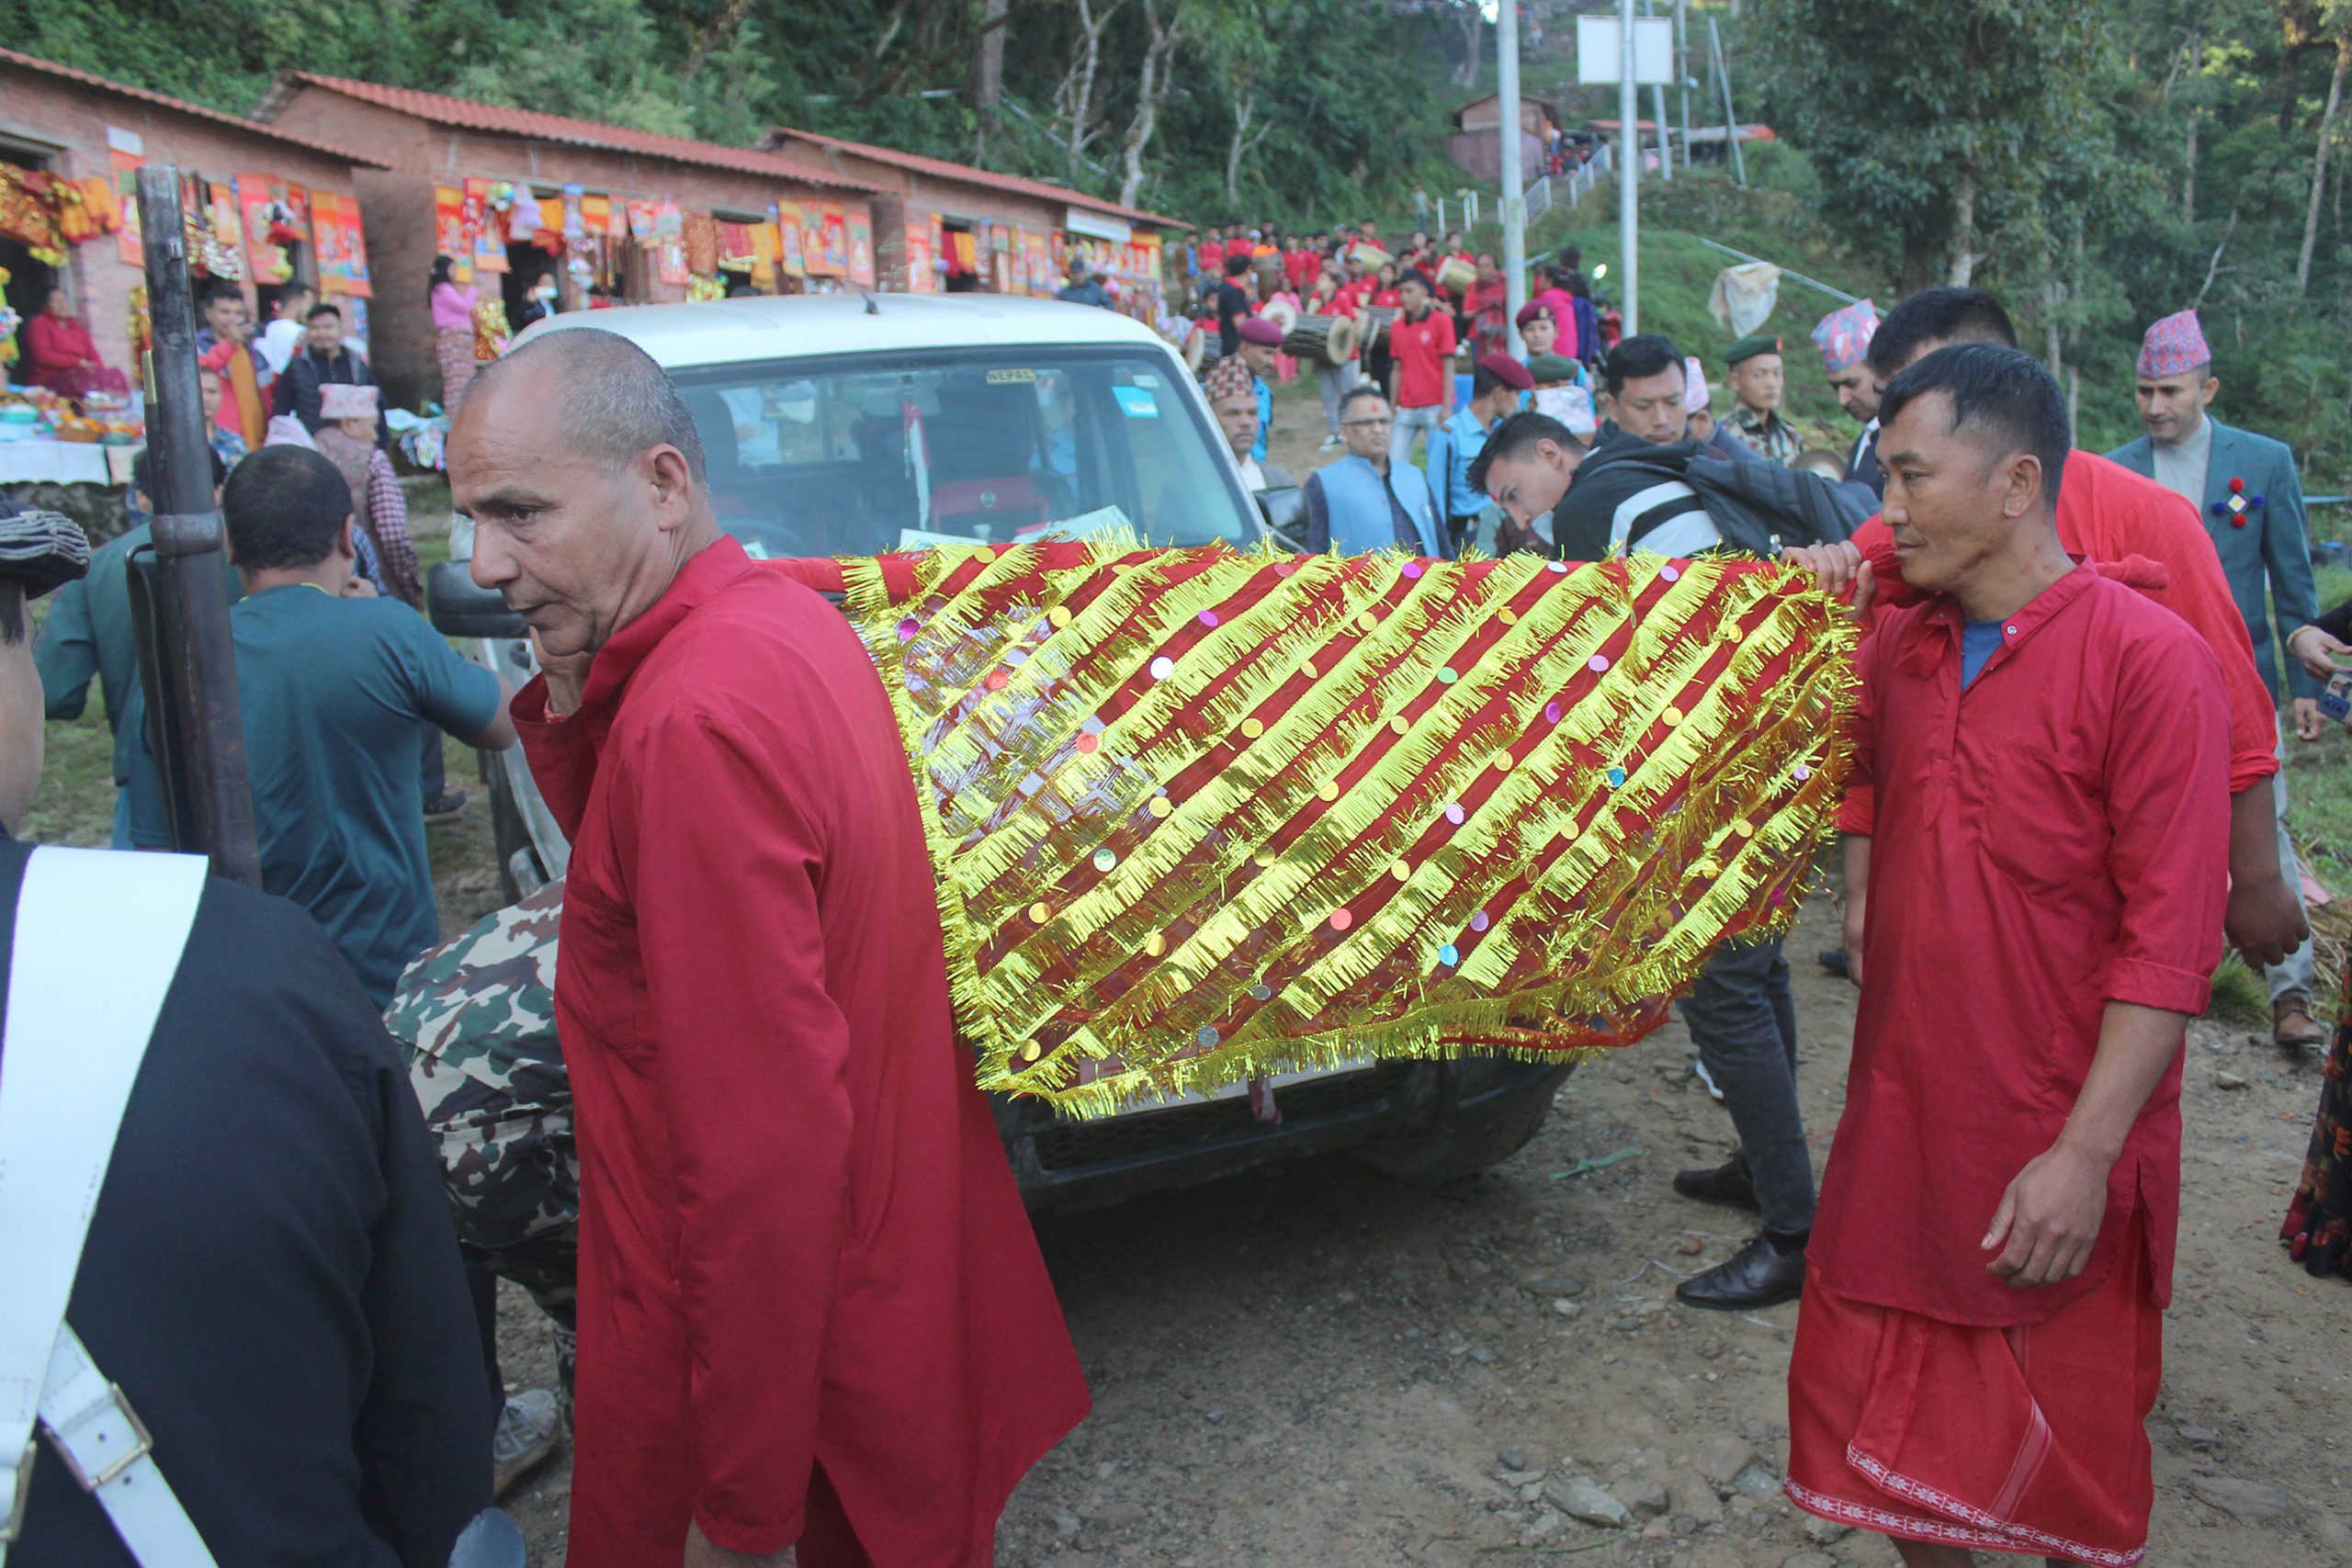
(2027, 1439)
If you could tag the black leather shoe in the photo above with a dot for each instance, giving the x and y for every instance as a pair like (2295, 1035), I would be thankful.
(1758, 1275)
(1834, 960)
(1728, 1184)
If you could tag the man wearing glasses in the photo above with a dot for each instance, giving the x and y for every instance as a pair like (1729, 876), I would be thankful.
(1364, 502)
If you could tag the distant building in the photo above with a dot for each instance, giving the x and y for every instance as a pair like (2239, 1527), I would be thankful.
(1476, 146)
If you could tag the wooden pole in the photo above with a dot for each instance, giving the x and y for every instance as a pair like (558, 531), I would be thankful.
(199, 679)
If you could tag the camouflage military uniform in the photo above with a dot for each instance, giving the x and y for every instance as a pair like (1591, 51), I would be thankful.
(477, 1018)
(1768, 433)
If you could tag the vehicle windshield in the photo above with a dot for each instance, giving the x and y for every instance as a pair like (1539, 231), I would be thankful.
(860, 453)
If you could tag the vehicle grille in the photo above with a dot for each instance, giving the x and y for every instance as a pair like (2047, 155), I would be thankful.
(1063, 1144)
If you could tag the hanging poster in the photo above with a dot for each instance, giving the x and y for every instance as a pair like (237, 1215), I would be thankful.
(126, 183)
(342, 254)
(702, 244)
(764, 255)
(861, 249)
(919, 279)
(550, 232)
(1041, 264)
(597, 216)
(788, 221)
(449, 237)
(735, 254)
(640, 222)
(487, 233)
(575, 225)
(270, 223)
(831, 256)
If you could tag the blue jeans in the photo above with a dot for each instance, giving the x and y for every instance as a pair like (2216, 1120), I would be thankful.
(1400, 434)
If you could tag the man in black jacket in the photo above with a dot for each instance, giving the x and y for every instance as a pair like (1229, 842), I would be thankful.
(323, 359)
(270, 1275)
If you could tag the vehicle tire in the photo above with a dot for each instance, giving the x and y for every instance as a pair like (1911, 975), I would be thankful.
(510, 837)
(1467, 1141)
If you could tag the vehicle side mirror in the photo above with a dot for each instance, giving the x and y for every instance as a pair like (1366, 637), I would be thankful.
(1285, 513)
(458, 608)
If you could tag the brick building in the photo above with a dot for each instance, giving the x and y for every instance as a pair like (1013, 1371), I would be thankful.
(946, 225)
(75, 126)
(649, 214)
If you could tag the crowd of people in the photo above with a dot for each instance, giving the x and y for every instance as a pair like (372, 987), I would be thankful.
(801, 1313)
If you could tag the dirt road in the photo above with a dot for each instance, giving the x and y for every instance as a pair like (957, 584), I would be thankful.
(1317, 1366)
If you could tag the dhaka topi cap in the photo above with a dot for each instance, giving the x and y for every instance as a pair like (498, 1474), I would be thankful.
(1258, 329)
(1551, 368)
(1572, 406)
(1751, 345)
(2174, 347)
(337, 401)
(1228, 377)
(40, 549)
(1844, 336)
(1696, 393)
(1506, 370)
(1537, 307)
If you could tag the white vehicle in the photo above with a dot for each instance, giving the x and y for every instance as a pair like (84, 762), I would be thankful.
(851, 425)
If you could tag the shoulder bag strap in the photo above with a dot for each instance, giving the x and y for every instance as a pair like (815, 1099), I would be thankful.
(80, 1014)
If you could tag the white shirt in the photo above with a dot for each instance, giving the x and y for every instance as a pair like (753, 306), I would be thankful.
(2181, 464)
(1252, 476)
(280, 341)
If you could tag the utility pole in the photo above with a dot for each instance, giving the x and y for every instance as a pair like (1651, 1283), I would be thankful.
(1658, 109)
(1731, 121)
(198, 672)
(1682, 70)
(1514, 178)
(1629, 172)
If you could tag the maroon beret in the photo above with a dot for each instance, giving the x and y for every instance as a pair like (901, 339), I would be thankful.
(1535, 308)
(1508, 371)
(1257, 329)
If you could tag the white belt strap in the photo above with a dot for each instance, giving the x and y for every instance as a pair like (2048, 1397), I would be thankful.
(80, 1015)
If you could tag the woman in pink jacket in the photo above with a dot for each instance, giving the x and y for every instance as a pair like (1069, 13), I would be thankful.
(453, 333)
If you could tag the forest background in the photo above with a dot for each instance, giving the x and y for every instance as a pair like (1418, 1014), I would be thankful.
(2096, 162)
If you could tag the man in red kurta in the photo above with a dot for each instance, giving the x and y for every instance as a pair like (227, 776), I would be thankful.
(812, 1312)
(2047, 752)
(2107, 513)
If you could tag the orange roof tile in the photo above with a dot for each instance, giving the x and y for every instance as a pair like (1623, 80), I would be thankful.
(89, 79)
(940, 168)
(466, 114)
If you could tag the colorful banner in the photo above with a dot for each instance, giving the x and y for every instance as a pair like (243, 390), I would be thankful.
(640, 222)
(488, 234)
(341, 250)
(735, 249)
(919, 274)
(830, 257)
(128, 241)
(791, 235)
(449, 236)
(1041, 264)
(702, 244)
(861, 249)
(271, 223)
(764, 252)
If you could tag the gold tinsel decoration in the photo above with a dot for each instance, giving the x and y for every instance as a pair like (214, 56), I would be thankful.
(1200, 816)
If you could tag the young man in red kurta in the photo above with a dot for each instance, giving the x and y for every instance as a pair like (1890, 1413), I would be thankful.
(2107, 513)
(2042, 765)
(812, 1313)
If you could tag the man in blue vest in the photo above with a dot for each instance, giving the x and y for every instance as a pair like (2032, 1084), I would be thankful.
(1364, 501)
(2244, 487)
(1495, 389)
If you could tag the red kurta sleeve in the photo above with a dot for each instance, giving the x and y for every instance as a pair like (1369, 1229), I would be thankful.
(561, 751)
(2167, 806)
(2145, 518)
(726, 860)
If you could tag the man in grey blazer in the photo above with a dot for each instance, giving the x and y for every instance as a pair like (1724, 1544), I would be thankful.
(2244, 487)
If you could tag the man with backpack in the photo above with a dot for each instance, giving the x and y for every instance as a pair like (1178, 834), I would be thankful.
(1645, 488)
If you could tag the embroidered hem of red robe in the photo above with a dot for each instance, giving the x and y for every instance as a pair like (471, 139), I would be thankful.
(2028, 1439)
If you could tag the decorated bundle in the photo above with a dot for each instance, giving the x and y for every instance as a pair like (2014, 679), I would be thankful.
(1198, 816)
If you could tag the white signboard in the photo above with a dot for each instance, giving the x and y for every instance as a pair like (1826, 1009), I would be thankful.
(1096, 226)
(1601, 50)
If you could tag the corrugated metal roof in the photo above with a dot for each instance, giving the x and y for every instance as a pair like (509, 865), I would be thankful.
(498, 120)
(124, 89)
(940, 168)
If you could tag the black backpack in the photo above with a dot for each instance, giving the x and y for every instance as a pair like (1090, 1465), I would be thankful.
(1758, 506)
